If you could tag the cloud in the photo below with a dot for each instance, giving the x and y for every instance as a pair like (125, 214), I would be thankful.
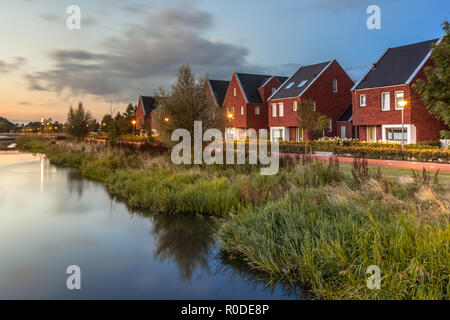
(6, 67)
(61, 19)
(24, 103)
(143, 57)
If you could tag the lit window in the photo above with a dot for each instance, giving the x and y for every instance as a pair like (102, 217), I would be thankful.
(385, 101)
(232, 111)
(335, 86)
(257, 111)
(295, 106)
(362, 100)
(301, 84)
(290, 85)
(234, 92)
(274, 110)
(242, 111)
(281, 109)
(399, 96)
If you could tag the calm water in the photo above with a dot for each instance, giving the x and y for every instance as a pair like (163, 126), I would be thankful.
(51, 218)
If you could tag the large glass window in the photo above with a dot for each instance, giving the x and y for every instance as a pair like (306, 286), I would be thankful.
(395, 134)
(281, 109)
(274, 110)
(399, 96)
(362, 100)
(372, 133)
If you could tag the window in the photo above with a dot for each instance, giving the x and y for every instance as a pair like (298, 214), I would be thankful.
(299, 134)
(315, 107)
(273, 90)
(274, 110)
(330, 125)
(343, 132)
(395, 134)
(295, 106)
(372, 133)
(234, 92)
(232, 111)
(242, 111)
(362, 100)
(277, 134)
(281, 109)
(399, 96)
(335, 86)
(257, 111)
(290, 85)
(301, 84)
(385, 101)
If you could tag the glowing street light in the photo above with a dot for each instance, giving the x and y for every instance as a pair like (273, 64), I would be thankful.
(134, 126)
(166, 120)
(230, 116)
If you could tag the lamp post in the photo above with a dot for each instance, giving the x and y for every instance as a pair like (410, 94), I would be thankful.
(134, 127)
(403, 104)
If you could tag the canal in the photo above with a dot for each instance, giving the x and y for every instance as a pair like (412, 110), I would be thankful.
(51, 218)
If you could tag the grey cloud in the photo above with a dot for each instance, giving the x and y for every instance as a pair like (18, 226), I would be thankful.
(9, 67)
(144, 57)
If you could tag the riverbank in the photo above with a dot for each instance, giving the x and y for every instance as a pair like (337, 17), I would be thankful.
(317, 225)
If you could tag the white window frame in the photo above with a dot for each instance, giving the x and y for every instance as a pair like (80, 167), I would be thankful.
(295, 106)
(367, 133)
(234, 92)
(257, 111)
(335, 85)
(360, 100)
(299, 134)
(397, 106)
(281, 109)
(274, 110)
(410, 130)
(383, 107)
(242, 111)
(330, 125)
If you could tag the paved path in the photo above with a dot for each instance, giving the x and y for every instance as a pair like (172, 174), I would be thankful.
(383, 163)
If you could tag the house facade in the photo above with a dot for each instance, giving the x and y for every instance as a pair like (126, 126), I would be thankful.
(327, 84)
(246, 101)
(146, 115)
(345, 127)
(378, 112)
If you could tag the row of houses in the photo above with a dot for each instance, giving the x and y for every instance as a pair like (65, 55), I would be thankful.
(369, 110)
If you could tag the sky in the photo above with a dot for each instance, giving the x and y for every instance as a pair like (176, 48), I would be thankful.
(125, 49)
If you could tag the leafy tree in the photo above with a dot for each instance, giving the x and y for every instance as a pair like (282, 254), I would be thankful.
(186, 102)
(435, 92)
(310, 120)
(106, 122)
(6, 125)
(79, 122)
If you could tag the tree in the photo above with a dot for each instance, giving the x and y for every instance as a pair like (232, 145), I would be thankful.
(435, 92)
(186, 102)
(79, 122)
(309, 120)
(106, 122)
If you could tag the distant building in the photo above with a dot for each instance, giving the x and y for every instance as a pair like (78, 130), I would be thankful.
(147, 114)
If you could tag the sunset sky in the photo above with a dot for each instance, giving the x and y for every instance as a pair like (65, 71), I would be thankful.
(128, 48)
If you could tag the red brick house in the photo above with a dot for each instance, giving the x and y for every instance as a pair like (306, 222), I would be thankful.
(146, 115)
(377, 113)
(327, 84)
(216, 90)
(246, 100)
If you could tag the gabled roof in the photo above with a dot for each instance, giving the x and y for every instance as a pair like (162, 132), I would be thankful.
(396, 66)
(251, 82)
(347, 115)
(148, 104)
(300, 81)
(219, 90)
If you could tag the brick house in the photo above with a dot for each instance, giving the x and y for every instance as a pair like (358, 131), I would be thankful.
(146, 115)
(246, 100)
(216, 90)
(377, 113)
(327, 84)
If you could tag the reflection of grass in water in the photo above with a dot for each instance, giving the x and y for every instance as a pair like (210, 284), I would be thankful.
(254, 279)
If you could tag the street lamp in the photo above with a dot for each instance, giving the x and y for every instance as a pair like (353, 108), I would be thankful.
(403, 104)
(134, 127)
(166, 120)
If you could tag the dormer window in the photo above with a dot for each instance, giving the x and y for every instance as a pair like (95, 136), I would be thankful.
(290, 85)
(301, 84)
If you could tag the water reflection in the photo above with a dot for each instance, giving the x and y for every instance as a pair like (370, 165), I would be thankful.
(124, 254)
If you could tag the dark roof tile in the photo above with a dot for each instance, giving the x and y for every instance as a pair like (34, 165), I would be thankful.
(219, 89)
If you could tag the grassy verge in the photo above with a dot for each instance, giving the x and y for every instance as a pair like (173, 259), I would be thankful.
(316, 225)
